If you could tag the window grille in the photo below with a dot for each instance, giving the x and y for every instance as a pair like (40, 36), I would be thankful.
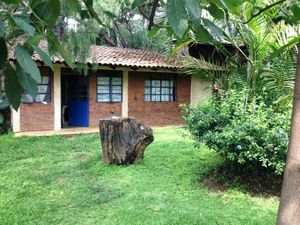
(44, 92)
(109, 89)
(160, 90)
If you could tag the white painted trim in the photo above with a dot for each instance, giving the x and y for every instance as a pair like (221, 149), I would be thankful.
(57, 97)
(16, 120)
(15, 115)
(125, 94)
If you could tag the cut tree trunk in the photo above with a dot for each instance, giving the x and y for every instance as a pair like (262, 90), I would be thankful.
(124, 140)
(289, 209)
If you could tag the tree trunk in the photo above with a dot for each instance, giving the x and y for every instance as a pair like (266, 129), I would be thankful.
(124, 140)
(289, 209)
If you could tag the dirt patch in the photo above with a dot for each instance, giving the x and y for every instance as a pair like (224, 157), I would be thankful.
(83, 159)
(213, 184)
(69, 136)
(220, 179)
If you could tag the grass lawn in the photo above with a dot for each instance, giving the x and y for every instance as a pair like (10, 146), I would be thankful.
(61, 180)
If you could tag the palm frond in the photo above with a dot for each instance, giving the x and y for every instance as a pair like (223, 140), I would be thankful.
(211, 70)
(280, 76)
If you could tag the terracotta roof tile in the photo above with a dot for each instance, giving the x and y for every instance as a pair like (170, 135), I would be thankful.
(113, 56)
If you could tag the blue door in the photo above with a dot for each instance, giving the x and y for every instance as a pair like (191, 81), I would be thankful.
(78, 104)
(78, 113)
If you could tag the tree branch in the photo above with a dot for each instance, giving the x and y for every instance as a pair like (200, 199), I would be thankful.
(144, 14)
(152, 14)
(264, 9)
(107, 39)
(150, 17)
(118, 31)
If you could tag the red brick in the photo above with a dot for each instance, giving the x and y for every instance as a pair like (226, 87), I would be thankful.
(157, 113)
(100, 110)
(38, 116)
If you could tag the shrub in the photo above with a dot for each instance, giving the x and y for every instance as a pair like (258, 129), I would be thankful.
(4, 123)
(247, 133)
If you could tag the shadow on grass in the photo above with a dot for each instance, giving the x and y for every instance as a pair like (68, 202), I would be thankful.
(224, 178)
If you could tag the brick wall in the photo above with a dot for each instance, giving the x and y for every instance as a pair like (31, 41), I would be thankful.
(38, 116)
(100, 110)
(157, 113)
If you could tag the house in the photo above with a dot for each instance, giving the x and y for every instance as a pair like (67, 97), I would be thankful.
(120, 82)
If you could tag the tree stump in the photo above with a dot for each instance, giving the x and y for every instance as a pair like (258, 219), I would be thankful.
(124, 140)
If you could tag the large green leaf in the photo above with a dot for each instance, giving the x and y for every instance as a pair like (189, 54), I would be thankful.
(194, 10)
(55, 47)
(137, 3)
(24, 25)
(74, 5)
(216, 12)
(213, 28)
(51, 44)
(34, 3)
(67, 57)
(12, 1)
(1, 118)
(177, 16)
(293, 41)
(48, 11)
(28, 47)
(110, 14)
(202, 35)
(26, 62)
(85, 14)
(35, 40)
(233, 5)
(45, 57)
(13, 88)
(28, 84)
(3, 52)
(296, 12)
(91, 10)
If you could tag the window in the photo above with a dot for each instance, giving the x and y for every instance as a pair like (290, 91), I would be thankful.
(160, 90)
(109, 89)
(44, 92)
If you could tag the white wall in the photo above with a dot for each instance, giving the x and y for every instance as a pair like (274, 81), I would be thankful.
(15, 120)
(201, 89)
(125, 94)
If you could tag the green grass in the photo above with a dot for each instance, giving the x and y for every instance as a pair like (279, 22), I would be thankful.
(60, 180)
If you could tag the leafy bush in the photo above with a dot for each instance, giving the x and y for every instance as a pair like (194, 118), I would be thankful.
(246, 132)
(4, 125)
